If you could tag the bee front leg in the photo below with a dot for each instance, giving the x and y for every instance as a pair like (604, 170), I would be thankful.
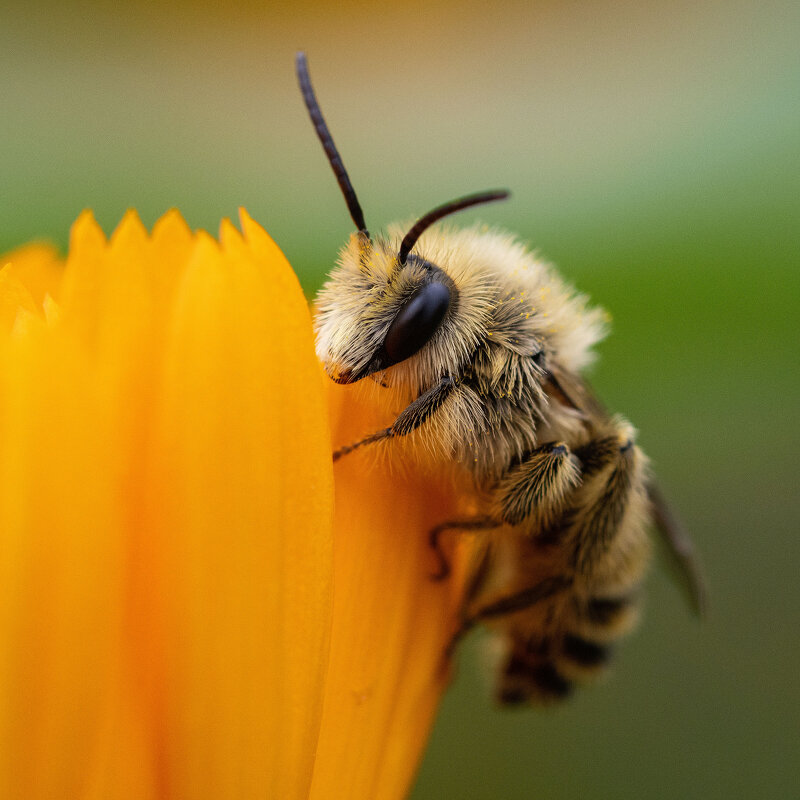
(409, 419)
(386, 433)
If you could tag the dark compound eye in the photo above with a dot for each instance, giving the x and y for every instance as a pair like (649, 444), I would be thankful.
(417, 321)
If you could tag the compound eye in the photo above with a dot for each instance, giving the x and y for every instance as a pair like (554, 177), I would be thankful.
(417, 321)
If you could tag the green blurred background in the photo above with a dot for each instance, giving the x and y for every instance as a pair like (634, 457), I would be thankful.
(654, 154)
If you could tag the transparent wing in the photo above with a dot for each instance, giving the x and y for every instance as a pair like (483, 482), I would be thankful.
(681, 549)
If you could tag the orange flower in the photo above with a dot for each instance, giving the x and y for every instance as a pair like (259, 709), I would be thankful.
(181, 613)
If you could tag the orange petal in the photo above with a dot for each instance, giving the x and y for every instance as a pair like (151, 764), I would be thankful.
(14, 296)
(391, 622)
(165, 519)
(60, 575)
(39, 268)
(241, 507)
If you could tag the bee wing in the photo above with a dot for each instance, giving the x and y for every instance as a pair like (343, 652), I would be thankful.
(568, 389)
(680, 547)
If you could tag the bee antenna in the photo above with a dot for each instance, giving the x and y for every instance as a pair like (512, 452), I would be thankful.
(431, 217)
(325, 137)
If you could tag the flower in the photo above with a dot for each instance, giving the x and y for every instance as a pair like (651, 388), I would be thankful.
(183, 614)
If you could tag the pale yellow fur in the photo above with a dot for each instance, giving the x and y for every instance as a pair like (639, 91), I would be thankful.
(489, 269)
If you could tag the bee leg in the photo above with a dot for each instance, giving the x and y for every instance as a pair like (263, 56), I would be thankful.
(375, 437)
(417, 412)
(599, 452)
(479, 570)
(409, 419)
(538, 488)
(435, 535)
(614, 477)
(510, 605)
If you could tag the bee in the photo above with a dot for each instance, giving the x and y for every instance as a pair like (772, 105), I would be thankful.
(483, 345)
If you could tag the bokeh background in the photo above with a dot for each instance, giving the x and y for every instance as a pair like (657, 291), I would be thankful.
(654, 154)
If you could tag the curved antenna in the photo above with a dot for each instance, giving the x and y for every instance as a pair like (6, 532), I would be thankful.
(431, 217)
(325, 137)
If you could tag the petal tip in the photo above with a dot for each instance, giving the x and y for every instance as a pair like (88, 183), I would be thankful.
(130, 229)
(245, 220)
(170, 223)
(229, 235)
(206, 245)
(254, 233)
(264, 245)
(85, 231)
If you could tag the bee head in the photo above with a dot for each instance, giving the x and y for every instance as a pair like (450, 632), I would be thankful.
(375, 313)
(383, 304)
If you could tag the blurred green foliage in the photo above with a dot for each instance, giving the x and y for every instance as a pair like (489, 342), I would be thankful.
(654, 155)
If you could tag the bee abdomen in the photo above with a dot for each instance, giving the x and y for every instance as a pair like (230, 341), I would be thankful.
(531, 678)
(584, 653)
(609, 617)
(542, 679)
(543, 671)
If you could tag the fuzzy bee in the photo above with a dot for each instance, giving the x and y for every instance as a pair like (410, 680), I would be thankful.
(482, 346)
